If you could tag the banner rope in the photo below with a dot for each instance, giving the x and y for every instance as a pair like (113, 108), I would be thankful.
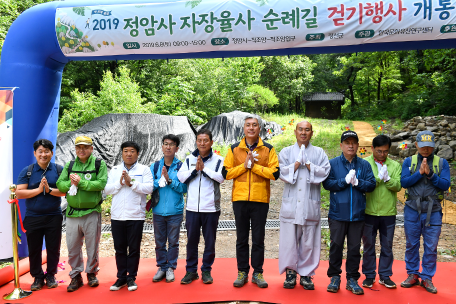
(16, 202)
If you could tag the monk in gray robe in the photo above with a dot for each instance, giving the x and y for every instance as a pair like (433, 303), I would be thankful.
(302, 167)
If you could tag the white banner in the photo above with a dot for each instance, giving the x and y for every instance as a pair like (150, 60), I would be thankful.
(211, 25)
(6, 173)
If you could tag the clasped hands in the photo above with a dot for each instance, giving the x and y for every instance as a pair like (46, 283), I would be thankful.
(44, 184)
(383, 174)
(424, 168)
(125, 179)
(351, 178)
(250, 159)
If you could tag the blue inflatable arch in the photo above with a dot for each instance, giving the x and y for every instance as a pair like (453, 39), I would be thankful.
(33, 61)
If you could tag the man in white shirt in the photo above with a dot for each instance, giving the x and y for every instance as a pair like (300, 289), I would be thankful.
(302, 167)
(202, 172)
(128, 183)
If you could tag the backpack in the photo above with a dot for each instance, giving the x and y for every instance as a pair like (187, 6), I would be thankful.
(97, 168)
(30, 170)
(437, 164)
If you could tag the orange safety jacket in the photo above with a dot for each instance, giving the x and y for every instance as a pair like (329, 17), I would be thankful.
(251, 184)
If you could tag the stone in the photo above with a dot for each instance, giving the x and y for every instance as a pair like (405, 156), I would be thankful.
(432, 129)
(415, 132)
(452, 126)
(452, 144)
(430, 123)
(445, 152)
(412, 150)
(393, 149)
(437, 145)
(454, 157)
(400, 136)
(453, 134)
(421, 126)
(412, 127)
(444, 123)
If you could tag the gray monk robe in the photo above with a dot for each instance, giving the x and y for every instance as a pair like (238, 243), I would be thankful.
(300, 232)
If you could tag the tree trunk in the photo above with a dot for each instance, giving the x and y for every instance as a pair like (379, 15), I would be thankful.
(379, 85)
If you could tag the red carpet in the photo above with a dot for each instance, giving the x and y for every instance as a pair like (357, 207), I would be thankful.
(224, 273)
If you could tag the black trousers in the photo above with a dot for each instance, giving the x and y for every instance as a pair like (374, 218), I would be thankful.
(195, 222)
(353, 231)
(49, 227)
(127, 236)
(245, 213)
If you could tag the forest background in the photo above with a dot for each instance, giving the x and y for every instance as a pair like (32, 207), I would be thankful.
(376, 85)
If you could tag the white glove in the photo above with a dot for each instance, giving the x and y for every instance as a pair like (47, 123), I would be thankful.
(354, 180)
(381, 172)
(73, 190)
(385, 176)
(249, 163)
(162, 182)
(349, 177)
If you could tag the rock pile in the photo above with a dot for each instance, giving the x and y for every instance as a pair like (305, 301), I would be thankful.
(443, 127)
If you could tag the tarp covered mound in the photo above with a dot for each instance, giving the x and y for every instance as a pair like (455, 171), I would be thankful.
(228, 128)
(109, 131)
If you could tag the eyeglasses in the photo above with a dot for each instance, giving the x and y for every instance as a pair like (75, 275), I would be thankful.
(167, 144)
(382, 152)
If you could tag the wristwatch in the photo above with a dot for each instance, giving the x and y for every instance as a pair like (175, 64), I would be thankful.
(170, 181)
(50, 190)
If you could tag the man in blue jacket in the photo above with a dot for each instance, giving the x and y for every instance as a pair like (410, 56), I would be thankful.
(169, 211)
(426, 177)
(348, 181)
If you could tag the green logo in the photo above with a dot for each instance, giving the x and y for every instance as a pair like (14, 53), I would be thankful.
(131, 45)
(364, 34)
(315, 37)
(220, 41)
(449, 28)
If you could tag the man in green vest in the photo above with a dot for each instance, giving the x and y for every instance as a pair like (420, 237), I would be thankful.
(381, 213)
(83, 179)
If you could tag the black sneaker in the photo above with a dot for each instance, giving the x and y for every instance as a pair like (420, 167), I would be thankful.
(257, 278)
(120, 283)
(207, 278)
(387, 283)
(307, 283)
(429, 286)
(242, 278)
(51, 282)
(92, 280)
(334, 285)
(189, 277)
(353, 286)
(290, 279)
(131, 284)
(75, 283)
(38, 283)
(368, 282)
(412, 280)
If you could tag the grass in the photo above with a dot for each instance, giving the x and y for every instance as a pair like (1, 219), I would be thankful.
(5, 264)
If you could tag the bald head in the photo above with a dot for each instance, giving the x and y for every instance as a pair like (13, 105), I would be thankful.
(303, 132)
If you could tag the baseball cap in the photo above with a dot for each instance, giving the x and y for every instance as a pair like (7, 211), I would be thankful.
(83, 140)
(348, 134)
(425, 139)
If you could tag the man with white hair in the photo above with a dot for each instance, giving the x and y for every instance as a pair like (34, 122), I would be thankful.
(302, 167)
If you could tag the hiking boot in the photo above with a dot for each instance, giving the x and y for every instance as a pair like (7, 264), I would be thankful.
(160, 275)
(257, 278)
(51, 282)
(429, 286)
(120, 283)
(242, 278)
(38, 283)
(92, 280)
(290, 279)
(207, 278)
(352, 285)
(75, 283)
(368, 282)
(334, 285)
(169, 275)
(412, 280)
(307, 283)
(131, 284)
(189, 277)
(387, 283)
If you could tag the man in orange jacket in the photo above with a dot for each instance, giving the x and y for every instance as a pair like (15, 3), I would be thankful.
(251, 163)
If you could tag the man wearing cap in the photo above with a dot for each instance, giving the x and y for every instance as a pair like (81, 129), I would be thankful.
(381, 214)
(425, 176)
(83, 179)
(348, 181)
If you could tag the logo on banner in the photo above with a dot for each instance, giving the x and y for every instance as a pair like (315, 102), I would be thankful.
(101, 12)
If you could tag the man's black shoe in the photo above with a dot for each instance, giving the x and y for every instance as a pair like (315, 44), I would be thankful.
(334, 285)
(92, 280)
(353, 286)
(120, 283)
(290, 279)
(206, 277)
(38, 283)
(307, 283)
(368, 282)
(51, 282)
(131, 284)
(387, 283)
(75, 283)
(189, 277)
(241, 279)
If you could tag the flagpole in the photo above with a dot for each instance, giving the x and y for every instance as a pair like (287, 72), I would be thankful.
(17, 293)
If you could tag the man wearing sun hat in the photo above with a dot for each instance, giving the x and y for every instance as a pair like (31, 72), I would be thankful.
(425, 176)
(83, 178)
